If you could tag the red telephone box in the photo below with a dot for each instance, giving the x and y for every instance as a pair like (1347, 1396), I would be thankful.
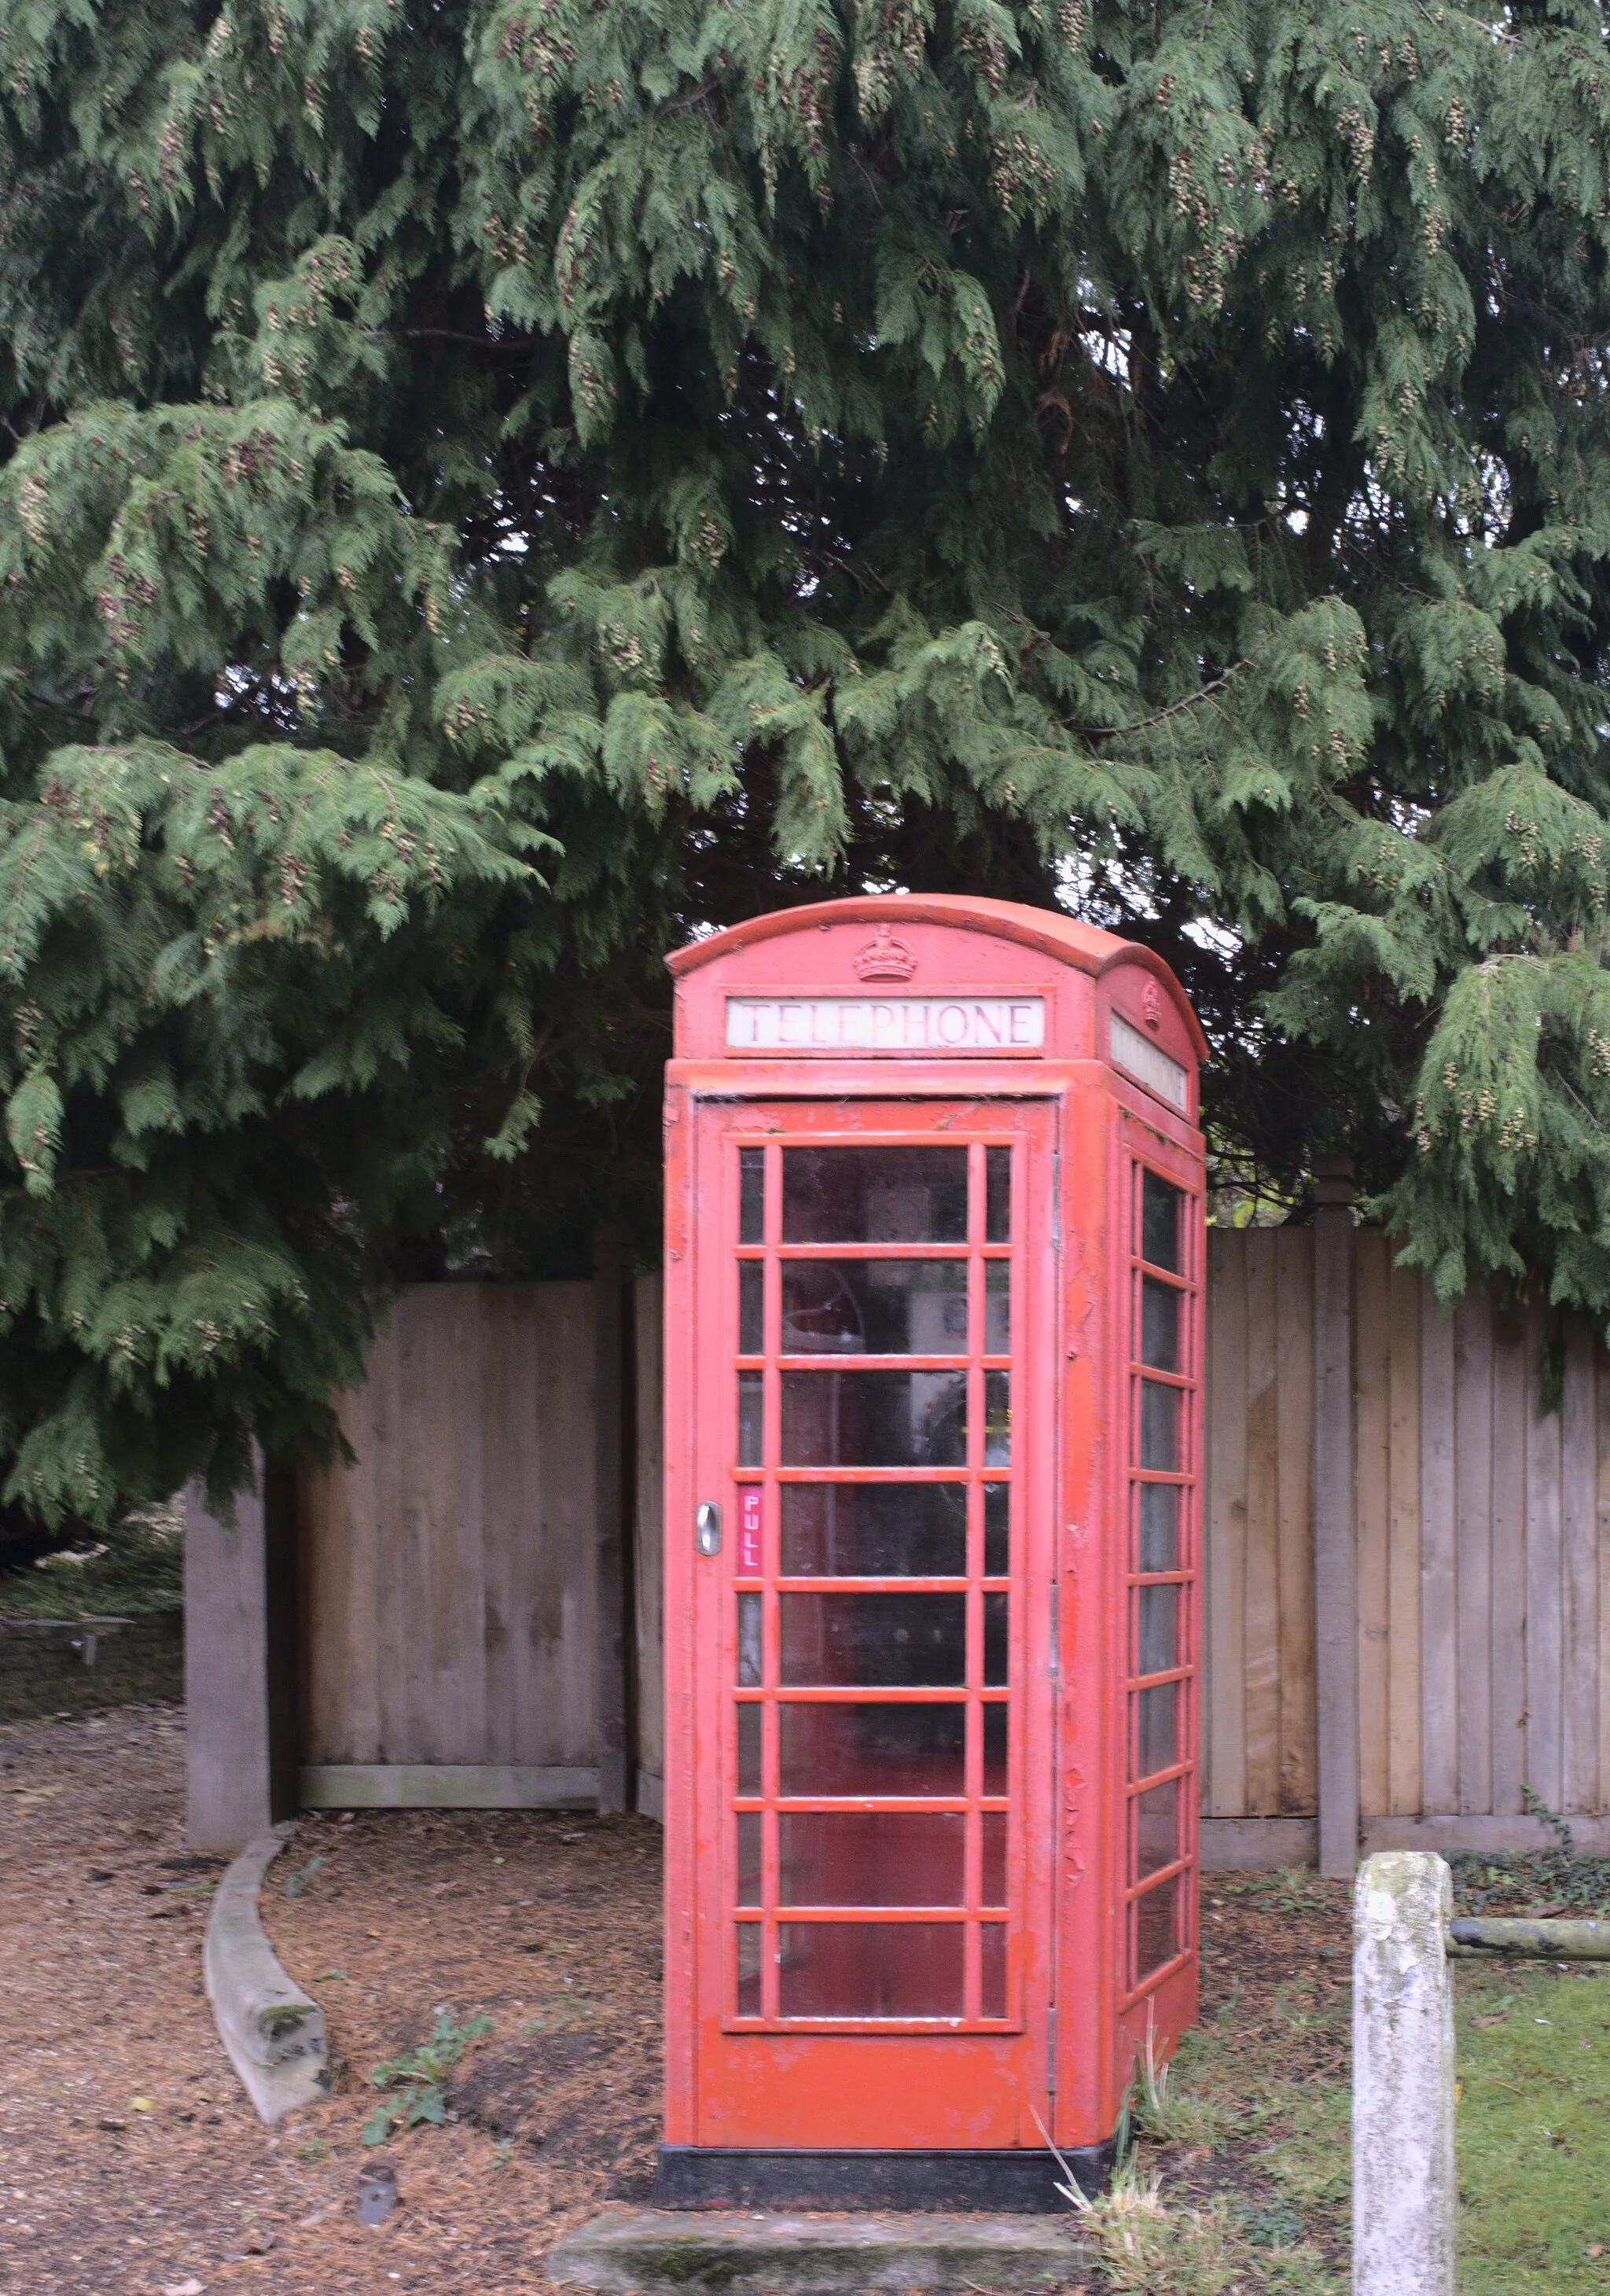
(934, 1244)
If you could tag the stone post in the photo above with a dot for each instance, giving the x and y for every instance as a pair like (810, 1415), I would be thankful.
(1405, 2189)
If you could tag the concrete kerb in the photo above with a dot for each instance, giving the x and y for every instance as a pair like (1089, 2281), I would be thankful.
(671, 2252)
(273, 2031)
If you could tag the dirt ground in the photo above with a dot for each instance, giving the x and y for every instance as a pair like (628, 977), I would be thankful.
(130, 2164)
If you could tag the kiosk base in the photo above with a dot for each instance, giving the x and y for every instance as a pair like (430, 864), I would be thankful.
(1005, 2182)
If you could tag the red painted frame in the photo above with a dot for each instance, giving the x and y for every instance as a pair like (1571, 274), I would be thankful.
(1084, 1127)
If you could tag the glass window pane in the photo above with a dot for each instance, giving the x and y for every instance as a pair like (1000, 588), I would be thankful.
(1160, 1222)
(997, 1501)
(751, 1293)
(997, 1307)
(890, 1641)
(748, 1749)
(997, 1419)
(994, 1642)
(995, 1749)
(1156, 1830)
(748, 1642)
(1155, 1739)
(875, 1418)
(1159, 1324)
(1157, 1546)
(748, 1968)
(874, 1306)
(871, 1969)
(1156, 1928)
(997, 1195)
(1157, 1630)
(874, 1530)
(751, 1395)
(1159, 1426)
(748, 1857)
(991, 1970)
(993, 1885)
(871, 1749)
(874, 1195)
(751, 1195)
(872, 1857)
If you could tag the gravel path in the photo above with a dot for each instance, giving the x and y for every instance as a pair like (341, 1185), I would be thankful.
(130, 2163)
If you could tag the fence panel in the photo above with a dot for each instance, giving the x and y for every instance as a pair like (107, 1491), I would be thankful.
(448, 1575)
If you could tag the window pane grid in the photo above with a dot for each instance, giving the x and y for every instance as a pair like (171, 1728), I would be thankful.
(1160, 1659)
(791, 1958)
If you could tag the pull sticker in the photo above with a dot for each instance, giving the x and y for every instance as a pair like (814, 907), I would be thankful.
(749, 1534)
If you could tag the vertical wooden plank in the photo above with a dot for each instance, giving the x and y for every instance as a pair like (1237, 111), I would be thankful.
(611, 1485)
(1579, 1555)
(1439, 1589)
(1294, 1263)
(649, 1578)
(563, 1634)
(500, 1426)
(1511, 1418)
(1335, 1574)
(464, 1341)
(1262, 1613)
(1544, 1636)
(1372, 1338)
(1473, 1543)
(1403, 1560)
(1225, 1541)
(1602, 1432)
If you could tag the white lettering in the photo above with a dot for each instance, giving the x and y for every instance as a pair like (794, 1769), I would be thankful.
(885, 1024)
(1149, 1063)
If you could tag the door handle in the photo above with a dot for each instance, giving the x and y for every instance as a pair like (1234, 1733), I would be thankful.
(706, 1527)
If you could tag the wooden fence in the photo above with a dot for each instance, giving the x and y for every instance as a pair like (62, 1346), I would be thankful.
(1479, 1556)
(455, 1645)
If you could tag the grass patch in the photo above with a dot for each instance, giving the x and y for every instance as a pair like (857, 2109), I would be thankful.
(133, 1569)
(1534, 2129)
(1241, 2179)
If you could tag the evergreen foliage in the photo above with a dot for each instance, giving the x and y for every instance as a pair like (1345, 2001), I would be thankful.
(487, 486)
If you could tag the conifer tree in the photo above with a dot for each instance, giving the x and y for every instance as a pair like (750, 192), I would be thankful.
(486, 487)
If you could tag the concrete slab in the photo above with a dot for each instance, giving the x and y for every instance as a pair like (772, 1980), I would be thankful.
(671, 2252)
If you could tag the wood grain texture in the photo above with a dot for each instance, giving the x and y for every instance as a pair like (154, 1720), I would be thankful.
(1473, 1543)
(1579, 1566)
(1544, 1636)
(1335, 1561)
(1261, 1662)
(1439, 1588)
(1510, 1420)
(448, 1573)
(1372, 1386)
(1224, 1703)
(1293, 1275)
(1403, 1557)
(1602, 1454)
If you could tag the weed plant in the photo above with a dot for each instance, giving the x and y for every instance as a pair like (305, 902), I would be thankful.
(1543, 1881)
(420, 2078)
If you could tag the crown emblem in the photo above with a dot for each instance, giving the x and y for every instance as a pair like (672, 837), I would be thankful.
(885, 958)
(1151, 1005)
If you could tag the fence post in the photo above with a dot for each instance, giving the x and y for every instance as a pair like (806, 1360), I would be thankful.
(1335, 1589)
(240, 1697)
(1405, 2190)
(613, 1490)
